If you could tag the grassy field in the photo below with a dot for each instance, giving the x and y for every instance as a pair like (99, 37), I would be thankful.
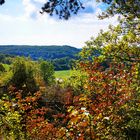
(62, 74)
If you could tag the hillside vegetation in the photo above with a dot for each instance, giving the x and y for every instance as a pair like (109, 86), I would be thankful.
(62, 57)
(36, 52)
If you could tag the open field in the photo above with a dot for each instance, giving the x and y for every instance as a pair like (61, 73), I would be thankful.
(62, 74)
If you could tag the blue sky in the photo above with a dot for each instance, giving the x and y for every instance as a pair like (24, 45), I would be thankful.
(21, 23)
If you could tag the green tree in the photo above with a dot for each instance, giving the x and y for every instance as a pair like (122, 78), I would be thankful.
(23, 75)
(128, 8)
(47, 72)
(121, 50)
(114, 46)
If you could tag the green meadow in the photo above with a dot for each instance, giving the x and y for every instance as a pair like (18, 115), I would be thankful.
(62, 74)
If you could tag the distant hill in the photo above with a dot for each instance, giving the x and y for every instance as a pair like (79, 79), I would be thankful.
(44, 52)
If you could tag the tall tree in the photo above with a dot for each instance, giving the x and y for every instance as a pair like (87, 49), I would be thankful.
(113, 46)
(23, 75)
(128, 8)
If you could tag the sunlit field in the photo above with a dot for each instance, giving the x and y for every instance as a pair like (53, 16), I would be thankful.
(62, 74)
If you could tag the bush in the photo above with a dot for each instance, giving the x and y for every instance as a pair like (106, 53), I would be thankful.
(23, 75)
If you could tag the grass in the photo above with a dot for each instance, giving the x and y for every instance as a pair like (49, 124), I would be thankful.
(62, 74)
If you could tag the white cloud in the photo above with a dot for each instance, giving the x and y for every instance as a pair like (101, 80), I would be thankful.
(91, 3)
(40, 1)
(30, 9)
(45, 30)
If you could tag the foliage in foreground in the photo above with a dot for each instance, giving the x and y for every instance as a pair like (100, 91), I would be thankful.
(101, 102)
(107, 111)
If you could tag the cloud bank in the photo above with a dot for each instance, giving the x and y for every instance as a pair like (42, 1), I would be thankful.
(34, 28)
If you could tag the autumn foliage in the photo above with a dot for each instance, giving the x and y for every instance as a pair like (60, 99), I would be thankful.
(101, 103)
(105, 111)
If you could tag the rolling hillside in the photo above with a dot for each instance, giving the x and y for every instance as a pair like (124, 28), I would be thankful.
(36, 52)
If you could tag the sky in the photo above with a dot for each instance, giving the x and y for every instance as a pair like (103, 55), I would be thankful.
(22, 24)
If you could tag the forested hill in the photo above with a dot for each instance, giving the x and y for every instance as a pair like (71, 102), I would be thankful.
(36, 52)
